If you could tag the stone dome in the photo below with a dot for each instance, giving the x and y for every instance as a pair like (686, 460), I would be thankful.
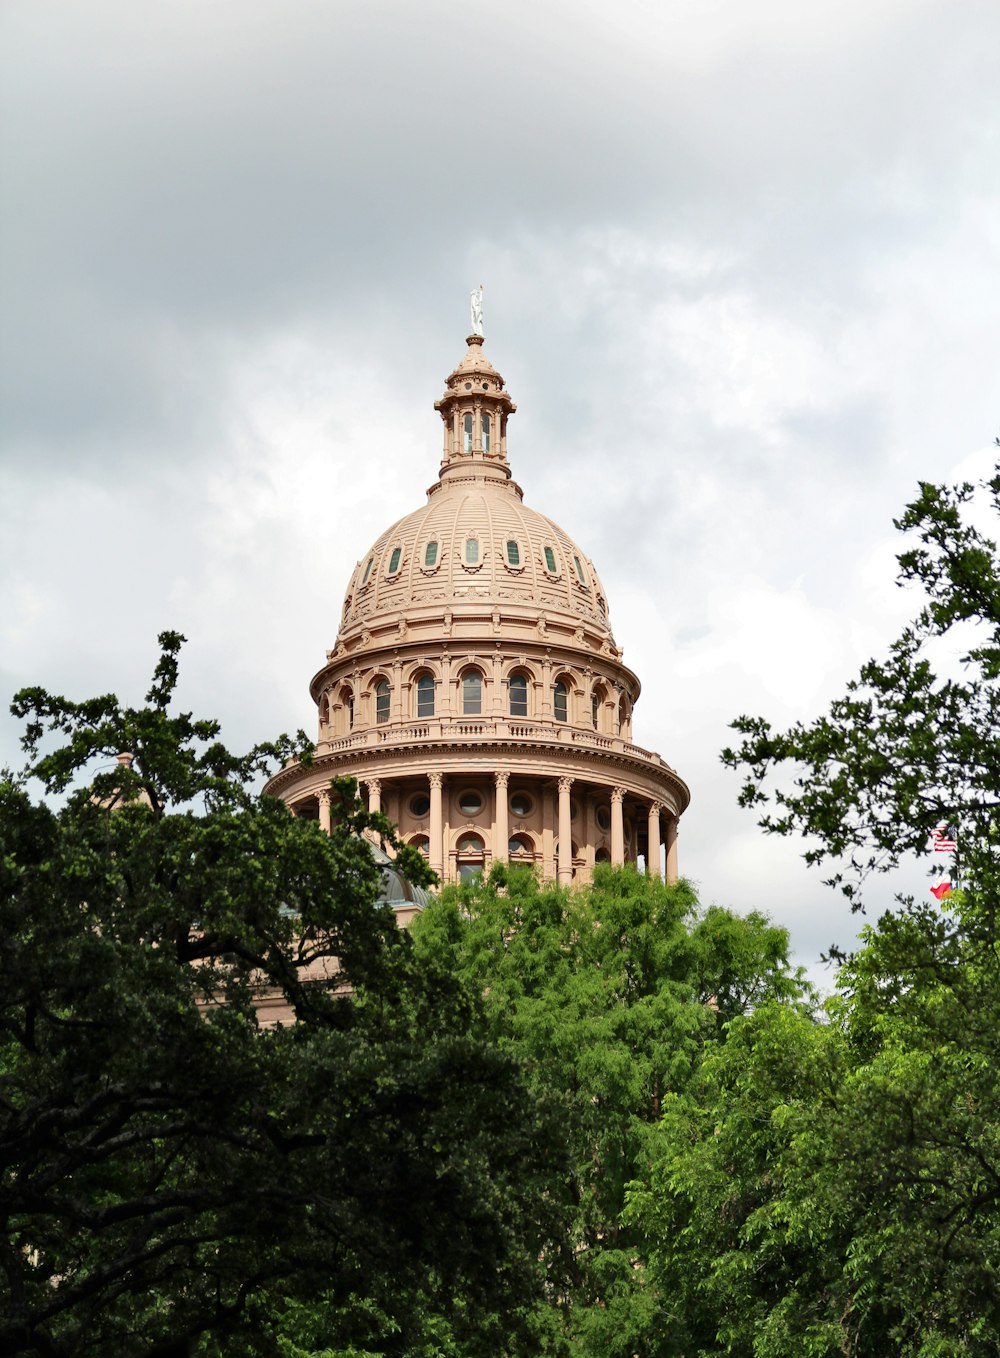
(475, 688)
(476, 543)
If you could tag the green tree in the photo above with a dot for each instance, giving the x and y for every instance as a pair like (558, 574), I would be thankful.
(833, 1187)
(608, 995)
(369, 1179)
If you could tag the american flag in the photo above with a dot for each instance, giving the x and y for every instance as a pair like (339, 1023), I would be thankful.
(943, 837)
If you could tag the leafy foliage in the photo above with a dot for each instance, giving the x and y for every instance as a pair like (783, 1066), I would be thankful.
(913, 742)
(610, 996)
(832, 1187)
(175, 1180)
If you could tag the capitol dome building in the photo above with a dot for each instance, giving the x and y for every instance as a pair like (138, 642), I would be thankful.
(475, 688)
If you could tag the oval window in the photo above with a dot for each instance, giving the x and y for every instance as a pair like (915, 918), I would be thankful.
(603, 817)
(470, 803)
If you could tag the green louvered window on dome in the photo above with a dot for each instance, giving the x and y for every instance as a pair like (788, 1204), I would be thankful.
(472, 552)
(431, 554)
(368, 570)
(397, 552)
(513, 553)
(550, 561)
(579, 570)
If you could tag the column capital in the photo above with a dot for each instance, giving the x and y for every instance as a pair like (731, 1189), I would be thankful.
(435, 779)
(324, 796)
(618, 795)
(374, 785)
(655, 808)
(501, 778)
(565, 784)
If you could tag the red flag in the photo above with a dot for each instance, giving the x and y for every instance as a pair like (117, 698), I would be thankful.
(941, 890)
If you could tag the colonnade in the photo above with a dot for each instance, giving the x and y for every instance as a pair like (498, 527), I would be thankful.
(498, 831)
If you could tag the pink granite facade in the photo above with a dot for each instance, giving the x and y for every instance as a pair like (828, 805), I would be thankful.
(475, 689)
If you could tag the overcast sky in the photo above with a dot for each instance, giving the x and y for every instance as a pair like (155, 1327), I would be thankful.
(741, 270)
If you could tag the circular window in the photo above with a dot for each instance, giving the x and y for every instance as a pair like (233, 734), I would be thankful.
(470, 802)
(420, 805)
(603, 817)
(468, 386)
(521, 804)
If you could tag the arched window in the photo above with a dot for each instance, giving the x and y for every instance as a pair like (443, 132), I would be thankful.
(422, 844)
(518, 691)
(346, 699)
(560, 701)
(486, 433)
(466, 433)
(472, 694)
(623, 717)
(595, 707)
(471, 851)
(520, 846)
(382, 696)
(425, 695)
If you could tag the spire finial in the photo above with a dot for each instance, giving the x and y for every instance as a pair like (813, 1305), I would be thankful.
(477, 310)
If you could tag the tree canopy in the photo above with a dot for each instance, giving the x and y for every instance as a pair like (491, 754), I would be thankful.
(371, 1178)
(831, 1184)
(609, 995)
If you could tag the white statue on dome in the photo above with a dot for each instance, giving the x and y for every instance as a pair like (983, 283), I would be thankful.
(477, 310)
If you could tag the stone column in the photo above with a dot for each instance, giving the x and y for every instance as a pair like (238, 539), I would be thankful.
(501, 829)
(565, 867)
(653, 846)
(671, 850)
(325, 823)
(617, 827)
(436, 828)
(374, 804)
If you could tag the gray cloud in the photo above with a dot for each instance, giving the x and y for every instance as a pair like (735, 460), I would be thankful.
(738, 264)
